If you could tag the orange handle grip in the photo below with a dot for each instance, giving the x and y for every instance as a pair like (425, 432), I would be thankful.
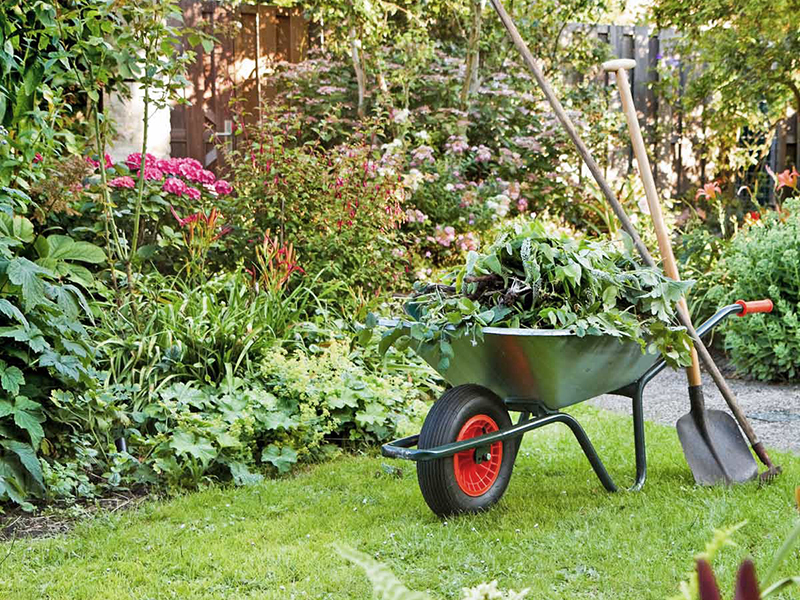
(755, 306)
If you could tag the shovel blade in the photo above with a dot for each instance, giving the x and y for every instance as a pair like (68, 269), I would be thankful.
(728, 442)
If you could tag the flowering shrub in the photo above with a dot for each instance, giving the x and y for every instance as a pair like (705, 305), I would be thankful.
(172, 186)
(462, 171)
(763, 261)
(339, 209)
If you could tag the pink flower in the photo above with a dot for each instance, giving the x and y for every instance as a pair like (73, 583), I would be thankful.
(37, 158)
(709, 191)
(467, 241)
(134, 161)
(522, 205)
(444, 236)
(222, 187)
(96, 163)
(223, 232)
(194, 163)
(152, 174)
(205, 176)
(456, 144)
(423, 154)
(484, 154)
(190, 171)
(171, 166)
(176, 186)
(122, 182)
(785, 179)
(193, 193)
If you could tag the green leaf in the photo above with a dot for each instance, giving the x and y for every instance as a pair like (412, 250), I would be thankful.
(30, 422)
(62, 247)
(185, 442)
(68, 366)
(281, 458)
(12, 312)
(242, 476)
(25, 274)
(16, 227)
(27, 456)
(279, 420)
(11, 378)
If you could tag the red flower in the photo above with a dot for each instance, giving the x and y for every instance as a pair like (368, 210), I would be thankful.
(184, 222)
(37, 158)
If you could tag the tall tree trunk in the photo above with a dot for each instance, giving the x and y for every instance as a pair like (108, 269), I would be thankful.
(358, 67)
(473, 53)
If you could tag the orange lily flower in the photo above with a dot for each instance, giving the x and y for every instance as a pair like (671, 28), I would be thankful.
(709, 191)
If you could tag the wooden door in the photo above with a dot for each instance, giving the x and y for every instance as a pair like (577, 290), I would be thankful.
(250, 37)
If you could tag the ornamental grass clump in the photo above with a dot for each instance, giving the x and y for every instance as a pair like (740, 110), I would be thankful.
(530, 278)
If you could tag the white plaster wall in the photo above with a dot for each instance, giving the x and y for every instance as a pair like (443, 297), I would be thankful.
(128, 118)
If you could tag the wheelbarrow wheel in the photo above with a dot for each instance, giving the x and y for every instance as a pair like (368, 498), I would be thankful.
(470, 481)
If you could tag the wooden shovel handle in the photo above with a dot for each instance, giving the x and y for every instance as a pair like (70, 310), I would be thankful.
(618, 67)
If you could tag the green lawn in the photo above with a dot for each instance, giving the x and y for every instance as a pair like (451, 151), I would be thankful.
(556, 531)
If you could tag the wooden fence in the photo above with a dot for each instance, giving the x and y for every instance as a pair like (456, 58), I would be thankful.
(676, 140)
(253, 35)
(250, 36)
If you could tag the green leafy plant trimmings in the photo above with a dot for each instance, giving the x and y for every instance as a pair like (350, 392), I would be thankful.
(531, 279)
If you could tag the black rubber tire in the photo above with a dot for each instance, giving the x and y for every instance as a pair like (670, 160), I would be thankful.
(437, 479)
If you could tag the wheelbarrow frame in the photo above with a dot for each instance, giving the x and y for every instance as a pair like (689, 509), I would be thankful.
(535, 415)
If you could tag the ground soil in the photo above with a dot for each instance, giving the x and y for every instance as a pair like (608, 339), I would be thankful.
(54, 519)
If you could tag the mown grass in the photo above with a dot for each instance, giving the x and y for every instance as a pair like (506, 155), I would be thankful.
(556, 531)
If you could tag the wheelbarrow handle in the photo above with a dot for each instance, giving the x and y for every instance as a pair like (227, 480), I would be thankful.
(754, 306)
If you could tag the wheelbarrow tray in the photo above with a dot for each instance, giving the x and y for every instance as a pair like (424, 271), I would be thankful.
(552, 367)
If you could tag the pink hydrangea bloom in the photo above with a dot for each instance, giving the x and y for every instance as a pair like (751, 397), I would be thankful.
(122, 182)
(444, 236)
(484, 154)
(467, 241)
(223, 188)
(456, 144)
(134, 161)
(205, 176)
(153, 174)
(96, 163)
(193, 193)
(171, 166)
(176, 186)
(190, 172)
(192, 162)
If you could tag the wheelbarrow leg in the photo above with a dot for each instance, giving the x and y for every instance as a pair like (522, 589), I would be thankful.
(588, 449)
(638, 438)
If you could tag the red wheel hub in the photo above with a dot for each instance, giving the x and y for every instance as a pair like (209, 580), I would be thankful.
(476, 470)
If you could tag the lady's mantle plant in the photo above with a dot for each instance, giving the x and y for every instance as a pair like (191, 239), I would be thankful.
(529, 278)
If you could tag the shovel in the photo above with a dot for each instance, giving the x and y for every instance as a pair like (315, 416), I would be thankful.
(711, 440)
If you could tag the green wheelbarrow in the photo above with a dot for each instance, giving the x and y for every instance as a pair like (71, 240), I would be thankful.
(468, 443)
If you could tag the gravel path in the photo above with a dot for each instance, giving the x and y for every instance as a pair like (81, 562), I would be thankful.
(773, 409)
